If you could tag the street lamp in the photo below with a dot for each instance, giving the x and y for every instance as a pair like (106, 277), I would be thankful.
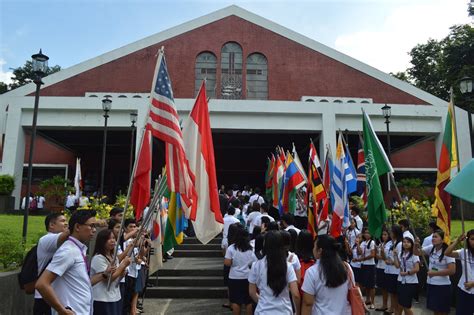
(40, 67)
(106, 106)
(387, 112)
(465, 86)
(133, 120)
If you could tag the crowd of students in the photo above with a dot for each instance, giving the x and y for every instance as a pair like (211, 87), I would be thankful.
(272, 266)
(69, 284)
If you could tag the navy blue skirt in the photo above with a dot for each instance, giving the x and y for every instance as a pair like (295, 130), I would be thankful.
(391, 283)
(438, 298)
(239, 291)
(368, 276)
(380, 278)
(226, 275)
(107, 308)
(357, 274)
(464, 303)
(406, 292)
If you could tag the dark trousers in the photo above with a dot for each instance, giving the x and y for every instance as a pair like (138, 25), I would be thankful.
(41, 307)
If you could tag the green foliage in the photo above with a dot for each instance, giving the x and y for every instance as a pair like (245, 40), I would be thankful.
(414, 188)
(3, 87)
(7, 184)
(401, 76)
(11, 250)
(419, 213)
(120, 202)
(103, 209)
(24, 75)
(55, 189)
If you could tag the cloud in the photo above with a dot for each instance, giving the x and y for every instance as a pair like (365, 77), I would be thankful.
(387, 46)
(5, 76)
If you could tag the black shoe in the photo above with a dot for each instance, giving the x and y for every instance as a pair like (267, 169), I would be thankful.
(168, 256)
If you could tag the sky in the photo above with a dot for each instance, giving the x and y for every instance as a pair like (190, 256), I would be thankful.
(377, 32)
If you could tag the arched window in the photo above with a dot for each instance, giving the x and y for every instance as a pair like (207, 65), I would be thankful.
(231, 68)
(206, 65)
(257, 77)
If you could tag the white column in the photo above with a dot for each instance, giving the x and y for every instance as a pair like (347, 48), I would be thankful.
(14, 150)
(464, 139)
(328, 134)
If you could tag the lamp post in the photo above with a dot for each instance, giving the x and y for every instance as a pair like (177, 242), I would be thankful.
(133, 120)
(386, 111)
(465, 86)
(106, 106)
(40, 66)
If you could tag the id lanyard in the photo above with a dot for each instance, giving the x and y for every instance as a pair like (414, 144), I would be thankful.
(82, 254)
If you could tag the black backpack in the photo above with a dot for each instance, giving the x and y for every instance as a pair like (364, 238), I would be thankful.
(29, 271)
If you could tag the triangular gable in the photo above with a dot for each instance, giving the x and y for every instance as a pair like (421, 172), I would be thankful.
(218, 15)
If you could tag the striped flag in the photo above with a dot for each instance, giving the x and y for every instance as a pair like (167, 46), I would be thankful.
(297, 160)
(448, 162)
(315, 190)
(206, 216)
(279, 170)
(361, 171)
(292, 181)
(328, 173)
(269, 177)
(163, 122)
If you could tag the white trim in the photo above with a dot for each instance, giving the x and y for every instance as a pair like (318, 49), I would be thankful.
(218, 15)
(415, 169)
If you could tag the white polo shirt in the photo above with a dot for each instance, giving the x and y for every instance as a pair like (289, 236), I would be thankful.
(258, 220)
(100, 293)
(355, 264)
(252, 219)
(438, 265)
(407, 264)
(470, 270)
(367, 247)
(47, 246)
(257, 198)
(391, 269)
(292, 227)
(228, 221)
(240, 262)
(73, 285)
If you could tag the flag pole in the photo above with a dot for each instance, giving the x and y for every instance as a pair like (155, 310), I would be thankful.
(461, 201)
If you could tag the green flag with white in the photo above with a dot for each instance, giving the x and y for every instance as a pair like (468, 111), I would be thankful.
(376, 164)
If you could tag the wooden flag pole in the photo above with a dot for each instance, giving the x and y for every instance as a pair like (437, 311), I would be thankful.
(461, 202)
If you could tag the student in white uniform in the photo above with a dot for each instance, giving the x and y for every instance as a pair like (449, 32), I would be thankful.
(229, 219)
(355, 260)
(239, 257)
(256, 197)
(58, 232)
(465, 290)
(292, 258)
(65, 284)
(275, 278)
(106, 301)
(326, 283)
(252, 216)
(263, 213)
(380, 269)
(367, 252)
(288, 221)
(439, 269)
(409, 265)
(391, 271)
(351, 232)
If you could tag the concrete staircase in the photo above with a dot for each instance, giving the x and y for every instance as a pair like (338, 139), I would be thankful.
(196, 272)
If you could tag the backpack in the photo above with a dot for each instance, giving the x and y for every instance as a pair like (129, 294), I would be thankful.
(34, 204)
(29, 271)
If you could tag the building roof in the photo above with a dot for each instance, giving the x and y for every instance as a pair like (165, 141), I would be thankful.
(218, 15)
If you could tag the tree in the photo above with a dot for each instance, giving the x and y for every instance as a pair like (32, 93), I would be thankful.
(24, 75)
(402, 75)
(3, 87)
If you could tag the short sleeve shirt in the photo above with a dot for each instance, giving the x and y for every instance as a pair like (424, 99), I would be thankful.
(355, 264)
(381, 263)
(470, 270)
(73, 285)
(294, 261)
(240, 262)
(324, 297)
(268, 303)
(407, 264)
(367, 247)
(391, 269)
(47, 246)
(100, 293)
(435, 264)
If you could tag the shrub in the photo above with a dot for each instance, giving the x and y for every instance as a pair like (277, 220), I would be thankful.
(11, 250)
(55, 189)
(415, 188)
(7, 184)
(419, 213)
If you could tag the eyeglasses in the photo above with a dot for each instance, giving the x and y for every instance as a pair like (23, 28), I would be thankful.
(91, 225)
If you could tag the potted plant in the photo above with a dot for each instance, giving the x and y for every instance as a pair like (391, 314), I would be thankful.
(7, 184)
(55, 189)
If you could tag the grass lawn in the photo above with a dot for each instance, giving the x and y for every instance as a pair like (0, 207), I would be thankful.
(13, 225)
(456, 228)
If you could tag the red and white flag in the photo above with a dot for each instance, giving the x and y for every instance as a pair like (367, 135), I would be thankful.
(206, 216)
(163, 122)
(140, 195)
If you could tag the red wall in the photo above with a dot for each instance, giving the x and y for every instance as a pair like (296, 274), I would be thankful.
(47, 152)
(421, 155)
(293, 69)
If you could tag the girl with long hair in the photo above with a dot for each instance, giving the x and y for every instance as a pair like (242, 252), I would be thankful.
(380, 269)
(292, 258)
(304, 250)
(465, 291)
(391, 271)
(275, 278)
(409, 266)
(326, 283)
(106, 302)
(439, 269)
(355, 259)
(238, 257)
(367, 252)
(231, 236)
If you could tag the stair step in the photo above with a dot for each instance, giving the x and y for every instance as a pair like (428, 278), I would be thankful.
(193, 240)
(188, 281)
(199, 247)
(191, 272)
(187, 292)
(197, 253)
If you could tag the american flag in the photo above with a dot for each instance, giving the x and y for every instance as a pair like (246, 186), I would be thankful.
(163, 121)
(361, 180)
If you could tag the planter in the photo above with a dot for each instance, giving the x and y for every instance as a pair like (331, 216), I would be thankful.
(7, 203)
